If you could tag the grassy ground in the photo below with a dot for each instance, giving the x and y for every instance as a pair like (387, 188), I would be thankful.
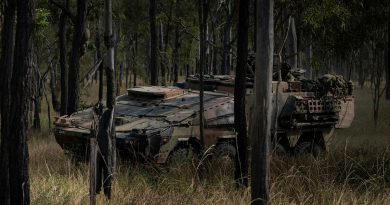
(356, 171)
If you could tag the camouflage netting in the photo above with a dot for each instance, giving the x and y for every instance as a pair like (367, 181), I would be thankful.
(328, 85)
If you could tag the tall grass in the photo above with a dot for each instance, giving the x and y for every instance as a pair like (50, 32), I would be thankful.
(355, 171)
(342, 177)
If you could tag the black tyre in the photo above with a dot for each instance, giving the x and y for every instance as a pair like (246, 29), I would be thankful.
(223, 159)
(182, 155)
(78, 154)
(281, 145)
(225, 151)
(279, 149)
(311, 143)
(307, 147)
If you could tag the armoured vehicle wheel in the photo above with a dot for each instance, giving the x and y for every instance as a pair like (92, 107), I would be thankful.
(308, 147)
(279, 149)
(310, 143)
(223, 159)
(181, 155)
(282, 145)
(225, 151)
(78, 155)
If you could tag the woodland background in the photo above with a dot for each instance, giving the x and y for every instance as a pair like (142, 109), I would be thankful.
(158, 42)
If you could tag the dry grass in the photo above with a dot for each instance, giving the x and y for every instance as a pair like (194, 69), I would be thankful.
(356, 171)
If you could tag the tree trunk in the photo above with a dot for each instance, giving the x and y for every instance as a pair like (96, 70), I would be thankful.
(99, 56)
(105, 164)
(388, 64)
(207, 55)
(153, 43)
(117, 77)
(53, 85)
(121, 75)
(48, 110)
(176, 48)
(241, 168)
(362, 74)
(308, 60)
(163, 49)
(116, 62)
(187, 70)
(63, 51)
(226, 58)
(255, 25)
(7, 45)
(76, 54)
(378, 67)
(18, 157)
(134, 78)
(292, 49)
(261, 117)
(127, 71)
(110, 70)
(215, 53)
(35, 85)
(162, 53)
(176, 56)
(203, 14)
(37, 103)
(135, 49)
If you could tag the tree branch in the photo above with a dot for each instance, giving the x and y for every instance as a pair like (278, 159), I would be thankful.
(65, 10)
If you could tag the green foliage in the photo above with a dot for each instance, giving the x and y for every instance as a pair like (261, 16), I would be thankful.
(343, 26)
(42, 20)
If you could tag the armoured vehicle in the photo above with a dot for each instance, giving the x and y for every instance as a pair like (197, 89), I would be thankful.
(152, 123)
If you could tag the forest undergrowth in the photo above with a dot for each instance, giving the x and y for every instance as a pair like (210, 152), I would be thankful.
(356, 170)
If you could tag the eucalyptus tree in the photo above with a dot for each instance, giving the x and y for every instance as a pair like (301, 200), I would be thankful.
(153, 43)
(203, 15)
(62, 59)
(176, 43)
(292, 44)
(78, 50)
(261, 116)
(106, 133)
(7, 48)
(14, 170)
(230, 11)
(241, 168)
